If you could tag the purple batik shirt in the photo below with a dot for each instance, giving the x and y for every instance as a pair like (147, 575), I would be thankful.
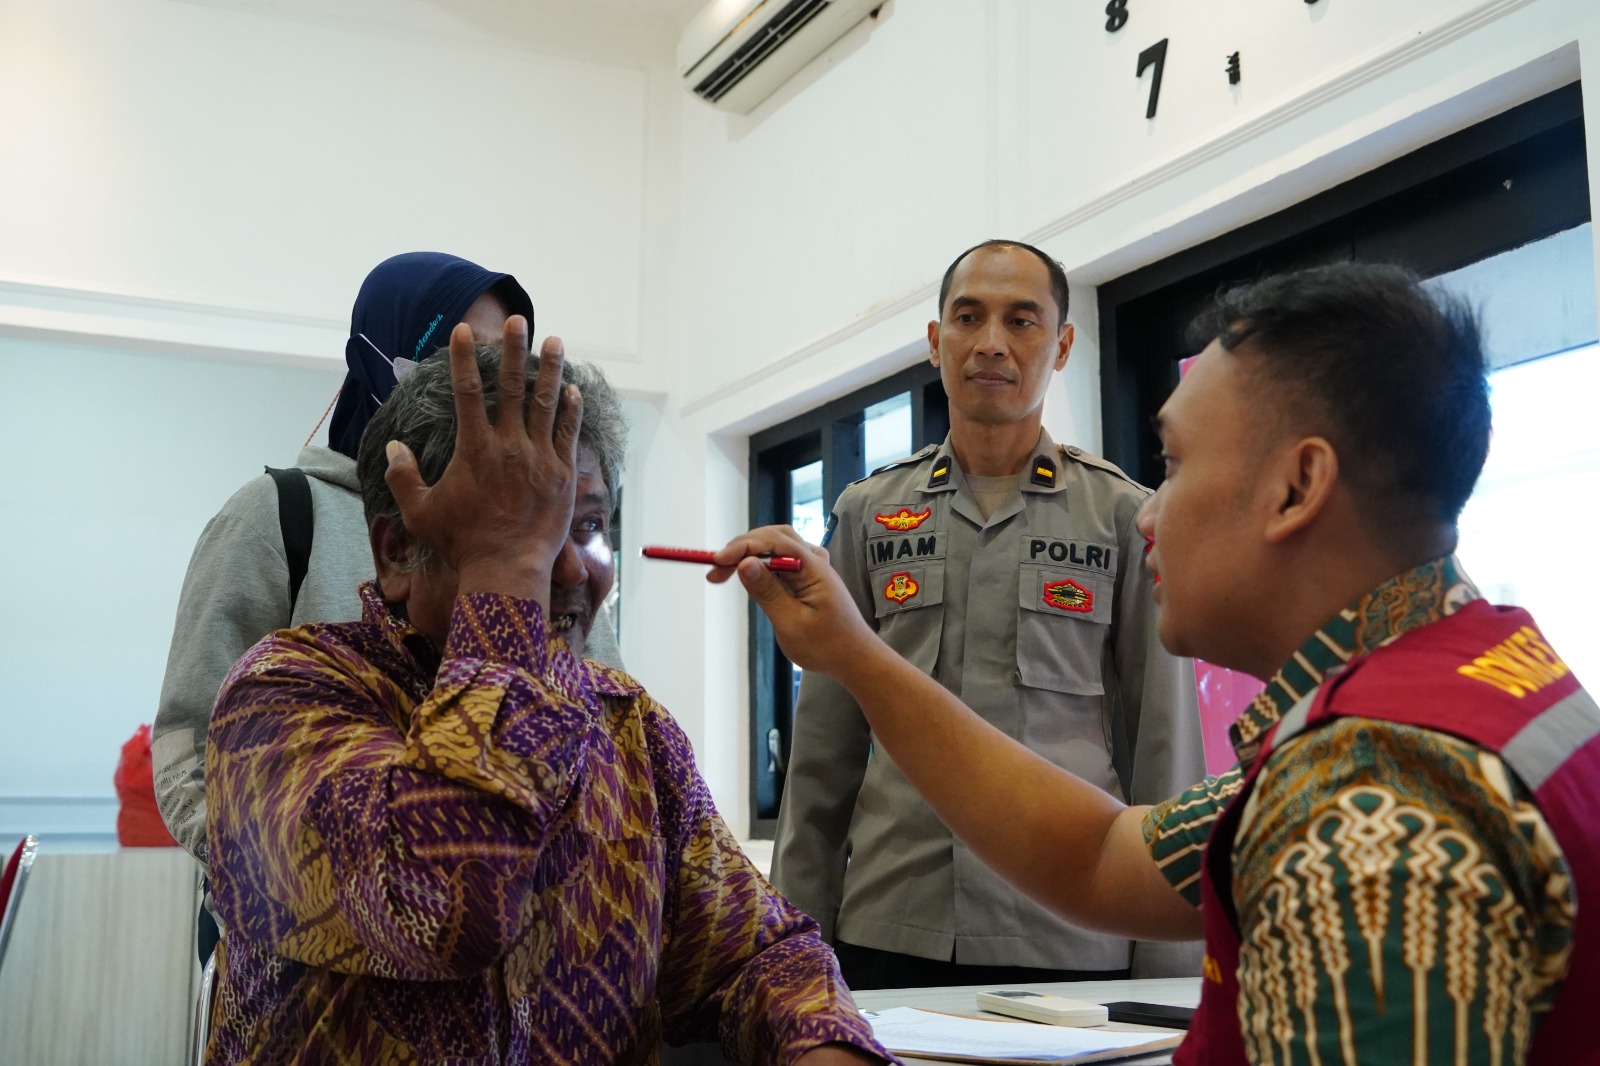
(500, 854)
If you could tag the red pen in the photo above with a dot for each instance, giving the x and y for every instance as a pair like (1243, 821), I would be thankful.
(784, 564)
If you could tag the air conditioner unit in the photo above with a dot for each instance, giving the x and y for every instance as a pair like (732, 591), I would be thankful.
(737, 52)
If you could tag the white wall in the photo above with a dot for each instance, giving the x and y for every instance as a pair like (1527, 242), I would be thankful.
(815, 230)
(240, 165)
(190, 195)
(836, 206)
(202, 184)
(116, 459)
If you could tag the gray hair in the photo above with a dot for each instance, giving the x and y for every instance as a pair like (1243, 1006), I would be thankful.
(421, 413)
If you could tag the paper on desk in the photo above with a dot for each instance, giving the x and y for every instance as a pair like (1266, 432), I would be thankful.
(909, 1031)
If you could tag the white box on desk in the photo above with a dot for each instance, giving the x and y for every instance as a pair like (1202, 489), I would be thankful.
(1039, 1007)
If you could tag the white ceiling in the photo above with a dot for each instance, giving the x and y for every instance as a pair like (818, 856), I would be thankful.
(631, 33)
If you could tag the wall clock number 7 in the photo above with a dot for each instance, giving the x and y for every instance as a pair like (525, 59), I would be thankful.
(1154, 56)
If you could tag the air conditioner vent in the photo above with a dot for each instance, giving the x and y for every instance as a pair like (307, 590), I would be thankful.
(735, 53)
(784, 25)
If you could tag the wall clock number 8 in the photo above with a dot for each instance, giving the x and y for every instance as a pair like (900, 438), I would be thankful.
(1154, 56)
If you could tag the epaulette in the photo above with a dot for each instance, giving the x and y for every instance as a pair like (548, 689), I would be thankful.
(915, 457)
(1072, 451)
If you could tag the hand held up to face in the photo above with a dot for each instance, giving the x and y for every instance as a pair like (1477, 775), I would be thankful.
(816, 622)
(502, 511)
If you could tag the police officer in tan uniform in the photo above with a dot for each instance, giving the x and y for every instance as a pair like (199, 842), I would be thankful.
(1008, 567)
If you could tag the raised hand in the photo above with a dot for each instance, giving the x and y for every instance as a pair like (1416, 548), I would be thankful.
(502, 511)
(816, 622)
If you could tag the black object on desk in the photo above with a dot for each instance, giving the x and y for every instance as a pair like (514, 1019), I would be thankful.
(1162, 1014)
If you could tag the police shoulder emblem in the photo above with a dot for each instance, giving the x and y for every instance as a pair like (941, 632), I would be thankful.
(901, 587)
(1068, 595)
(903, 520)
(1044, 471)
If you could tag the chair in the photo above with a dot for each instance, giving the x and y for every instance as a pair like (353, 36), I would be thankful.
(200, 1024)
(12, 883)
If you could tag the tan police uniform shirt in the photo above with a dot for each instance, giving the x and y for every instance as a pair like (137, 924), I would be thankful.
(1040, 619)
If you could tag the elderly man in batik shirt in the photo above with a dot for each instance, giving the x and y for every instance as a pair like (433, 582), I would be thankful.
(438, 834)
(1405, 866)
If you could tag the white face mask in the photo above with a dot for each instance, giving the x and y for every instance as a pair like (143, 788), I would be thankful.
(401, 367)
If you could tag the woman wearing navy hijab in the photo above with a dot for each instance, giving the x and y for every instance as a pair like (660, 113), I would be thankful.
(404, 312)
(237, 589)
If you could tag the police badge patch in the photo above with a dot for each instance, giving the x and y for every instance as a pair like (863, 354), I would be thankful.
(1068, 595)
(903, 520)
(901, 587)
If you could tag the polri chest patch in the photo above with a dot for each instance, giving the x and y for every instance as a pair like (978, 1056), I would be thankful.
(1083, 595)
(1068, 595)
(1085, 555)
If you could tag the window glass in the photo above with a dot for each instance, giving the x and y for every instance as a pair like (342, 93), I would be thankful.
(805, 502)
(1534, 500)
(798, 469)
(1522, 530)
(886, 432)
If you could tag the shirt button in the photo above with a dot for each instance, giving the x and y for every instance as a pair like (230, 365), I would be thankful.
(1074, 450)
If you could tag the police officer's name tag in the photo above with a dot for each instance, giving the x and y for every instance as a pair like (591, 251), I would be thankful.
(1079, 553)
(911, 547)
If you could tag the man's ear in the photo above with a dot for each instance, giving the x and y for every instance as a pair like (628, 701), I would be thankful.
(1064, 344)
(933, 343)
(392, 553)
(1307, 473)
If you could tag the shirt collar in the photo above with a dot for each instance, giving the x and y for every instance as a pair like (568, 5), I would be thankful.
(404, 638)
(1405, 602)
(399, 633)
(1042, 474)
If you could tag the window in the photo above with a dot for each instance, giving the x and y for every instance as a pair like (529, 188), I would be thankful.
(1533, 499)
(1498, 213)
(798, 470)
(1513, 179)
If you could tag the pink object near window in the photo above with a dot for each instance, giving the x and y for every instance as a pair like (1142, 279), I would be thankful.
(1224, 694)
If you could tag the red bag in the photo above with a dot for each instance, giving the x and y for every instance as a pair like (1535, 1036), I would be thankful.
(139, 823)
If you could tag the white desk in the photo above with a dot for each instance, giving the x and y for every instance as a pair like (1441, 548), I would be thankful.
(963, 999)
(101, 964)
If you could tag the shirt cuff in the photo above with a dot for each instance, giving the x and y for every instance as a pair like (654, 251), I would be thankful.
(492, 627)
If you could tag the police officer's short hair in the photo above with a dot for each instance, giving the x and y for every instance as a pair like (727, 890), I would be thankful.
(1058, 274)
(1390, 372)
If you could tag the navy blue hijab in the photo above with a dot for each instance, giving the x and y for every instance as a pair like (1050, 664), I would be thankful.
(405, 311)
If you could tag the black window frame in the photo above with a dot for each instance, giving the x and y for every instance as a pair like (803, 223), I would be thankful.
(830, 433)
(1517, 177)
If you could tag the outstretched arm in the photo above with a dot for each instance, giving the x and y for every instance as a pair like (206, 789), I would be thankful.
(1057, 838)
(827, 763)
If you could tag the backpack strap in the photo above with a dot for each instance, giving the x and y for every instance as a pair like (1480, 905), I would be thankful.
(295, 522)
